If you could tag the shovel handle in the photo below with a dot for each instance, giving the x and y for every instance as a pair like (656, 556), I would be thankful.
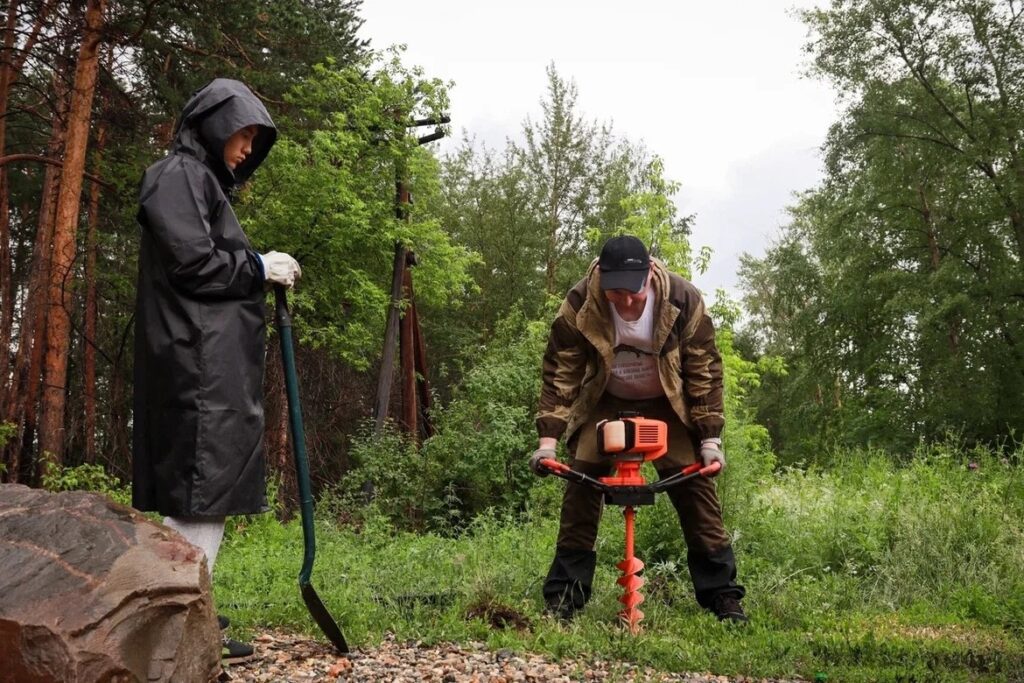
(314, 604)
(284, 318)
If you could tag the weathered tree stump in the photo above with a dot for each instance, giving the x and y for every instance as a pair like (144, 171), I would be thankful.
(93, 591)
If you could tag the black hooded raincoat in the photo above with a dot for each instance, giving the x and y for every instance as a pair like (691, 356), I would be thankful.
(199, 320)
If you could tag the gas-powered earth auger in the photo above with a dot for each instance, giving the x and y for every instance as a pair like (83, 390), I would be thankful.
(629, 442)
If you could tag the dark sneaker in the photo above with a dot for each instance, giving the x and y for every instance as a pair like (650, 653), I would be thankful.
(233, 652)
(727, 608)
(223, 622)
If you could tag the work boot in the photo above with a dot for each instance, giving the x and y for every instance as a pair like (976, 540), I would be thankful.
(234, 652)
(567, 587)
(562, 610)
(223, 622)
(727, 608)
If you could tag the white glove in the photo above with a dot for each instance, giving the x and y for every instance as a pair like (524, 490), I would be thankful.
(280, 268)
(711, 451)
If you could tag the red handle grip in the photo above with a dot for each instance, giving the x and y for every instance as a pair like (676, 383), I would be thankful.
(711, 469)
(698, 468)
(554, 465)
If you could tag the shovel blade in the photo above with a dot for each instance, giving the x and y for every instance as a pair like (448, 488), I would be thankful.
(323, 618)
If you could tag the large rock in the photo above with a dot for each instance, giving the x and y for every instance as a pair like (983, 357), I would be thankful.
(93, 591)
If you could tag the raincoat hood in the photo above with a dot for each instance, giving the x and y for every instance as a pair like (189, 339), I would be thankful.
(213, 115)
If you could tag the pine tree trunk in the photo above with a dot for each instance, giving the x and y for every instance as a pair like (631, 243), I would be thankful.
(21, 409)
(89, 343)
(58, 333)
(6, 280)
(11, 63)
(118, 446)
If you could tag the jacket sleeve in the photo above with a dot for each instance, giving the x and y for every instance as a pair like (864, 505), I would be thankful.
(177, 214)
(565, 361)
(701, 368)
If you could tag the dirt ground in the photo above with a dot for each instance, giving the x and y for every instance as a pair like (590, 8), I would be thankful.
(285, 657)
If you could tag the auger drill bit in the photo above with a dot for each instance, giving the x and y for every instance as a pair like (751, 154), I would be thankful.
(630, 567)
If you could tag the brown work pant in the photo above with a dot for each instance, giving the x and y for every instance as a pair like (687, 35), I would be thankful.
(695, 502)
(710, 558)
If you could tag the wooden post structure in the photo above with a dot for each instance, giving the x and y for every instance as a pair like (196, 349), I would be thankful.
(415, 388)
(426, 422)
(401, 281)
(387, 362)
(405, 344)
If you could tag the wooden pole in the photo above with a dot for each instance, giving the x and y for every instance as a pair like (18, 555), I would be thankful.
(408, 381)
(387, 362)
(423, 386)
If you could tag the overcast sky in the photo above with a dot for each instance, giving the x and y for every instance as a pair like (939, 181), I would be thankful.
(713, 88)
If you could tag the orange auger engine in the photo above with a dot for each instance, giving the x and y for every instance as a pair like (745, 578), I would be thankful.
(629, 442)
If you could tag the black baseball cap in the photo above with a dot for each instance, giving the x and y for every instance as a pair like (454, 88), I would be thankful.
(624, 263)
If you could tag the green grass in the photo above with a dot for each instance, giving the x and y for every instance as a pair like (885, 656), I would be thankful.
(867, 572)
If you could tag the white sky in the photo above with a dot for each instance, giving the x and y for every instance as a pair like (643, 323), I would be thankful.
(714, 88)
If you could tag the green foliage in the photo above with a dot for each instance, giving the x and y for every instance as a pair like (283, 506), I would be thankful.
(537, 213)
(894, 296)
(268, 44)
(85, 477)
(487, 431)
(389, 478)
(646, 210)
(326, 195)
(7, 430)
(566, 158)
(477, 459)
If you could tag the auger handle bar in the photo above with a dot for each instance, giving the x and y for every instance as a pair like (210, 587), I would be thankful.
(560, 469)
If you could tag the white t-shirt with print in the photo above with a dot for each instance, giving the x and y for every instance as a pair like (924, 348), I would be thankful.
(635, 367)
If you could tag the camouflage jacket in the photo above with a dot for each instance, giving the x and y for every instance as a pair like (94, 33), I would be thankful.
(578, 359)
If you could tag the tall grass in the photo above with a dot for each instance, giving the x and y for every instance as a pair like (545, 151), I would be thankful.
(869, 571)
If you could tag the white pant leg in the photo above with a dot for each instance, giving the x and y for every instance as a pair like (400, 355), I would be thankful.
(204, 532)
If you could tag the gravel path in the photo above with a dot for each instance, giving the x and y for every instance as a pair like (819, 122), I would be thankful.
(286, 657)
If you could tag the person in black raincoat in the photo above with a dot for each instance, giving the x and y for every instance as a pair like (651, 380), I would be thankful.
(197, 446)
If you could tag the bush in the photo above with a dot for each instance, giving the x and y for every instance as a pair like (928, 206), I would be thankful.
(390, 477)
(477, 458)
(926, 530)
(6, 432)
(85, 478)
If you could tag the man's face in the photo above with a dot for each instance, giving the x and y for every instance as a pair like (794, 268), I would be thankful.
(626, 301)
(239, 146)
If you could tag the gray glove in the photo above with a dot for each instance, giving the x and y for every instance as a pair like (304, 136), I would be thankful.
(538, 455)
(711, 452)
(280, 268)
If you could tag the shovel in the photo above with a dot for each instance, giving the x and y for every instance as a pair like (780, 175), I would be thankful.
(313, 602)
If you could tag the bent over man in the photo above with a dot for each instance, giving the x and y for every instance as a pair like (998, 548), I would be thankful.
(632, 336)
